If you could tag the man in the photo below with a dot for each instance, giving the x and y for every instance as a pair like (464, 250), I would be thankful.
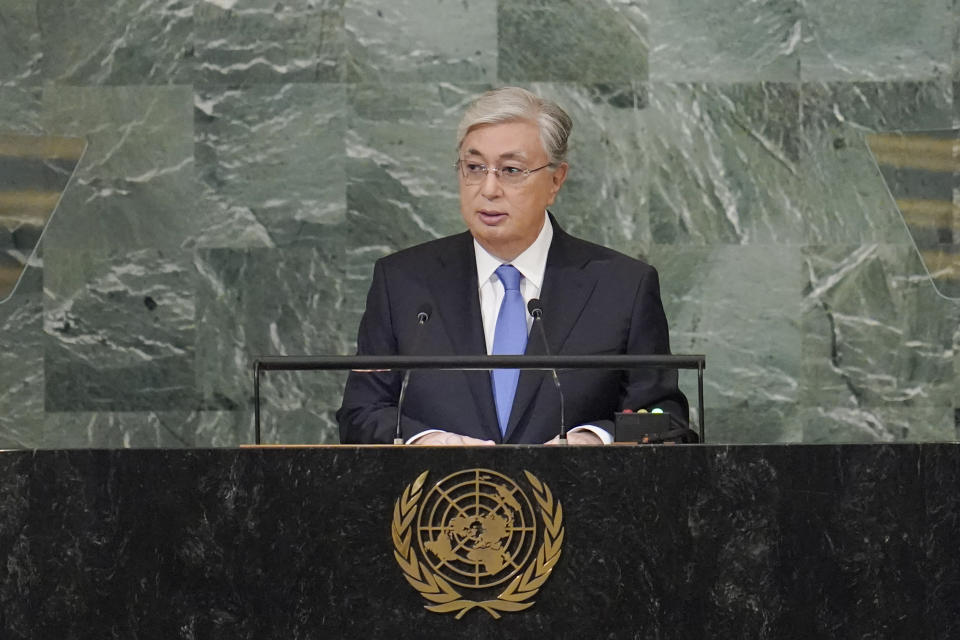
(511, 164)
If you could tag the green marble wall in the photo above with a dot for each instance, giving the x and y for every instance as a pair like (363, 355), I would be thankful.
(249, 160)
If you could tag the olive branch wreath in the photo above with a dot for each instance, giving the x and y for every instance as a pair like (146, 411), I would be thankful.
(433, 587)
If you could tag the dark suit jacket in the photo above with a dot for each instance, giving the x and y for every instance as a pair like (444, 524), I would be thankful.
(595, 301)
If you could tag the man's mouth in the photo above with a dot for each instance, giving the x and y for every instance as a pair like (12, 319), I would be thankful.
(491, 217)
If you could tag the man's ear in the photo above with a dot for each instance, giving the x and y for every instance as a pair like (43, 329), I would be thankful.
(559, 175)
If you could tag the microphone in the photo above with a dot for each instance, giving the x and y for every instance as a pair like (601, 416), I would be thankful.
(536, 310)
(423, 316)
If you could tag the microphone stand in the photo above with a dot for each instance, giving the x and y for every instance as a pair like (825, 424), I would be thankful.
(537, 312)
(422, 316)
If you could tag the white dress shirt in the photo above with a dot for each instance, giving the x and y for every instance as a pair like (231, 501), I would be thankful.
(532, 265)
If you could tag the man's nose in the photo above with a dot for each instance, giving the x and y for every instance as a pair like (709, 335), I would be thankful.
(491, 187)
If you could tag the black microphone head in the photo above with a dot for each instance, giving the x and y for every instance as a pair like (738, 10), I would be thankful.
(535, 308)
(424, 312)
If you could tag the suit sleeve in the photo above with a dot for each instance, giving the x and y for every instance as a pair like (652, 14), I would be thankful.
(645, 333)
(368, 413)
(651, 388)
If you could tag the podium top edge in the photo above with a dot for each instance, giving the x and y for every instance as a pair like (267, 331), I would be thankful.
(480, 362)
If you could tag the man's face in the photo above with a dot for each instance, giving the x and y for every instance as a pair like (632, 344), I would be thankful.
(505, 220)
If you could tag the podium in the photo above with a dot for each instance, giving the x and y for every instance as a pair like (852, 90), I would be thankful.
(780, 541)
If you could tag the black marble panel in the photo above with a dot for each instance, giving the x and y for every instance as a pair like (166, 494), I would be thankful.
(940, 476)
(660, 542)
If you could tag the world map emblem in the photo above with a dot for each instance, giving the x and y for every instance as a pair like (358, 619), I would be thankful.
(474, 539)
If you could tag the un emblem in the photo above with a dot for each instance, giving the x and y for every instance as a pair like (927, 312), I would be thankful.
(477, 529)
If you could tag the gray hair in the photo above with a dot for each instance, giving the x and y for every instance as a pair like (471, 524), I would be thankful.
(510, 104)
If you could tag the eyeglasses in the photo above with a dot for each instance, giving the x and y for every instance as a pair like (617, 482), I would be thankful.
(475, 173)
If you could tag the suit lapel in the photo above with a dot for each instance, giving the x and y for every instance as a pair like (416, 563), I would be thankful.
(566, 288)
(567, 285)
(453, 284)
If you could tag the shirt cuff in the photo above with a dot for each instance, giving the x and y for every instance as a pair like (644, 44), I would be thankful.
(416, 437)
(603, 434)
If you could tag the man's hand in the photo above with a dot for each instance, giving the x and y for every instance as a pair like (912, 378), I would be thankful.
(447, 439)
(583, 437)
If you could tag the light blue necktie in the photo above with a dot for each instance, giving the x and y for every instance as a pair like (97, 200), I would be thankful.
(509, 338)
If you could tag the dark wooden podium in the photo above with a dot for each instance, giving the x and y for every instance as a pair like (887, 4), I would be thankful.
(859, 541)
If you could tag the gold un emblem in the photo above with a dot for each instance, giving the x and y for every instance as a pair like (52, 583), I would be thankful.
(477, 530)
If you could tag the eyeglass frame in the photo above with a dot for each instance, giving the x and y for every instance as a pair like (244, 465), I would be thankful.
(497, 171)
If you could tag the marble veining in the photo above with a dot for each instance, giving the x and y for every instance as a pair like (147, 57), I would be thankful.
(839, 38)
(249, 141)
(699, 136)
(399, 41)
(249, 160)
(570, 41)
(90, 361)
(131, 42)
(726, 40)
(21, 369)
(258, 41)
(775, 542)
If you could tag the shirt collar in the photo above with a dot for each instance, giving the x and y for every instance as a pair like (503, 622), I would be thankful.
(532, 263)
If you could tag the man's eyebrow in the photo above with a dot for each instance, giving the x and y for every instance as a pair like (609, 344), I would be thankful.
(507, 155)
